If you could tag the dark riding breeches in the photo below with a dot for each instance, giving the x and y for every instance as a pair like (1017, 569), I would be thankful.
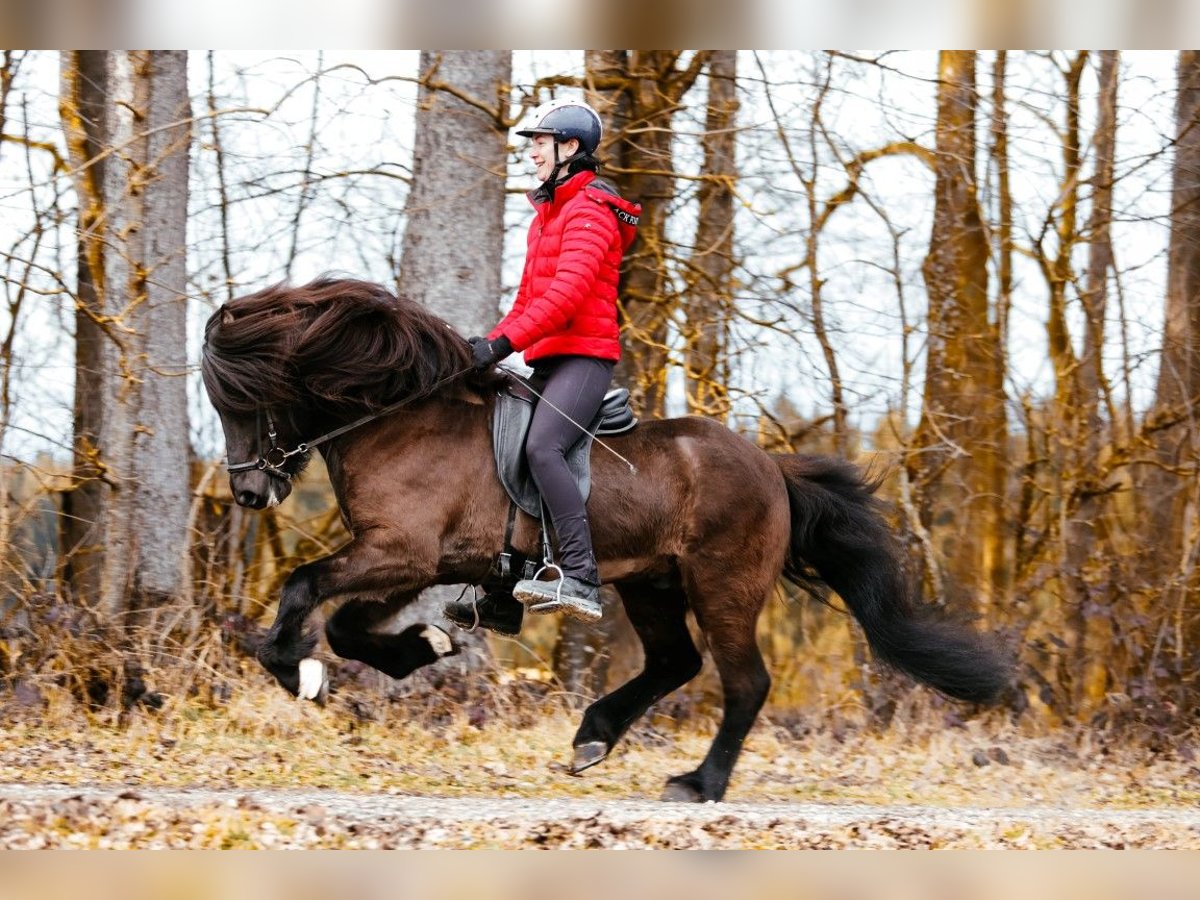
(575, 385)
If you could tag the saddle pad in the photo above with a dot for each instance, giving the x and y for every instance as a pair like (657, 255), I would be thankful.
(510, 424)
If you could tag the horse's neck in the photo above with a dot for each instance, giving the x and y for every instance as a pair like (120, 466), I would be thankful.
(436, 434)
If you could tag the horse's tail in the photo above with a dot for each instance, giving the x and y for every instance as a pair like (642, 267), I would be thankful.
(838, 532)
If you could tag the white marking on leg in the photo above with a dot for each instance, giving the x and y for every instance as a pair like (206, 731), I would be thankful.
(312, 678)
(438, 640)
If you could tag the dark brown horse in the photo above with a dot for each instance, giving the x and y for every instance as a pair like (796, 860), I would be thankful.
(708, 522)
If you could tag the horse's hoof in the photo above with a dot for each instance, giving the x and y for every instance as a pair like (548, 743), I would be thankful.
(438, 640)
(313, 683)
(681, 792)
(587, 755)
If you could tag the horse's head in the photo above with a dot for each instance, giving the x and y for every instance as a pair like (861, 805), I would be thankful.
(288, 364)
(246, 375)
(263, 456)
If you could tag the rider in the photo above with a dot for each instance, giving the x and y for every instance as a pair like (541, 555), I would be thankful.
(564, 319)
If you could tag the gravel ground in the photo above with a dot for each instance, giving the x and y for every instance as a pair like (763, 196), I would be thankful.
(33, 816)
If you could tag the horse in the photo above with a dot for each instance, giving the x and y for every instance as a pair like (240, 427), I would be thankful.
(703, 519)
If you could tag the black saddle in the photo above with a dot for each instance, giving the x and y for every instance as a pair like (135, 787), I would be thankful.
(510, 424)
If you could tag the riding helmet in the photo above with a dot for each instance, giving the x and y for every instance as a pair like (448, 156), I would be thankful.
(566, 119)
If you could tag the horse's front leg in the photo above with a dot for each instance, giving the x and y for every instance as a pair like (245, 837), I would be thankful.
(359, 630)
(287, 643)
(357, 568)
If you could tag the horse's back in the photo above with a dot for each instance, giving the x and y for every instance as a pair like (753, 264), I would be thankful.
(699, 490)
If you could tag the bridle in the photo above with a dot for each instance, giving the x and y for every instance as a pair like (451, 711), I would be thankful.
(275, 457)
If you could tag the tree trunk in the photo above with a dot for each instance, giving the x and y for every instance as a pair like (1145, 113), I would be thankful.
(140, 283)
(646, 86)
(650, 180)
(1164, 485)
(82, 108)
(1169, 489)
(1179, 373)
(161, 444)
(454, 236)
(957, 459)
(709, 302)
(1086, 532)
(1004, 199)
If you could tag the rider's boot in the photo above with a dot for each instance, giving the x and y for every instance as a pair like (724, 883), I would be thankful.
(496, 611)
(574, 596)
(576, 590)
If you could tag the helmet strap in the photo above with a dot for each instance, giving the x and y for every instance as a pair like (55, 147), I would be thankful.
(550, 182)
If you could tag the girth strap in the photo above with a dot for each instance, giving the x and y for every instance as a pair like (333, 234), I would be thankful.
(502, 568)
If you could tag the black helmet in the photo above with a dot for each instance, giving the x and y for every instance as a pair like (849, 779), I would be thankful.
(566, 119)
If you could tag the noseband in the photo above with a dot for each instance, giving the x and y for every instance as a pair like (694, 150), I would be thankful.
(273, 459)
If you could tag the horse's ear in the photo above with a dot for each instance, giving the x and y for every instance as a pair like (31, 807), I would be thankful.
(226, 316)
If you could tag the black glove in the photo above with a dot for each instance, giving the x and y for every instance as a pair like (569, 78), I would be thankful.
(485, 354)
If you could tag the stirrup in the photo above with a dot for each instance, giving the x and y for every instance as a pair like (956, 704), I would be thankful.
(578, 606)
(547, 606)
(562, 576)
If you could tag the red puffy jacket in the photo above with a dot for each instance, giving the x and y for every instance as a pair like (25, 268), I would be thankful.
(567, 302)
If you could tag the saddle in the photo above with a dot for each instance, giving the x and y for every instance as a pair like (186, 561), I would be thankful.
(510, 424)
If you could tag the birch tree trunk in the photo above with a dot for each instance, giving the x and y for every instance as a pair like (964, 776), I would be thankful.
(144, 432)
(454, 237)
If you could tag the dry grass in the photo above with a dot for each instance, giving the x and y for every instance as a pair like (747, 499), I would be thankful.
(510, 737)
(500, 736)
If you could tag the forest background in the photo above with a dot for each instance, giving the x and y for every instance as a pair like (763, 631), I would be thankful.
(975, 273)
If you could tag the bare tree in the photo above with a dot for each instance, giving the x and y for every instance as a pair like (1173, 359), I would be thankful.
(957, 460)
(1179, 372)
(133, 240)
(1086, 531)
(454, 237)
(708, 302)
(643, 89)
(82, 107)
(1170, 484)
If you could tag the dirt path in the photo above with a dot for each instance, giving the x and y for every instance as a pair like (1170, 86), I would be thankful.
(116, 816)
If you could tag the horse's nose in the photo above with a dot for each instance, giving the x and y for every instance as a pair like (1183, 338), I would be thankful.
(250, 499)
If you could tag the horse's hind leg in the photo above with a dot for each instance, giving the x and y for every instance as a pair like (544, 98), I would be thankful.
(726, 610)
(352, 635)
(671, 660)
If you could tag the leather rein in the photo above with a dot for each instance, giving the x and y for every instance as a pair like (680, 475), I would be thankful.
(273, 460)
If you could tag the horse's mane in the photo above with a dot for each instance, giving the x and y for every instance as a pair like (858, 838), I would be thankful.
(343, 346)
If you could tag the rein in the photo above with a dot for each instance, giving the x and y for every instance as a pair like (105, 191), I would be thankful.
(273, 460)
